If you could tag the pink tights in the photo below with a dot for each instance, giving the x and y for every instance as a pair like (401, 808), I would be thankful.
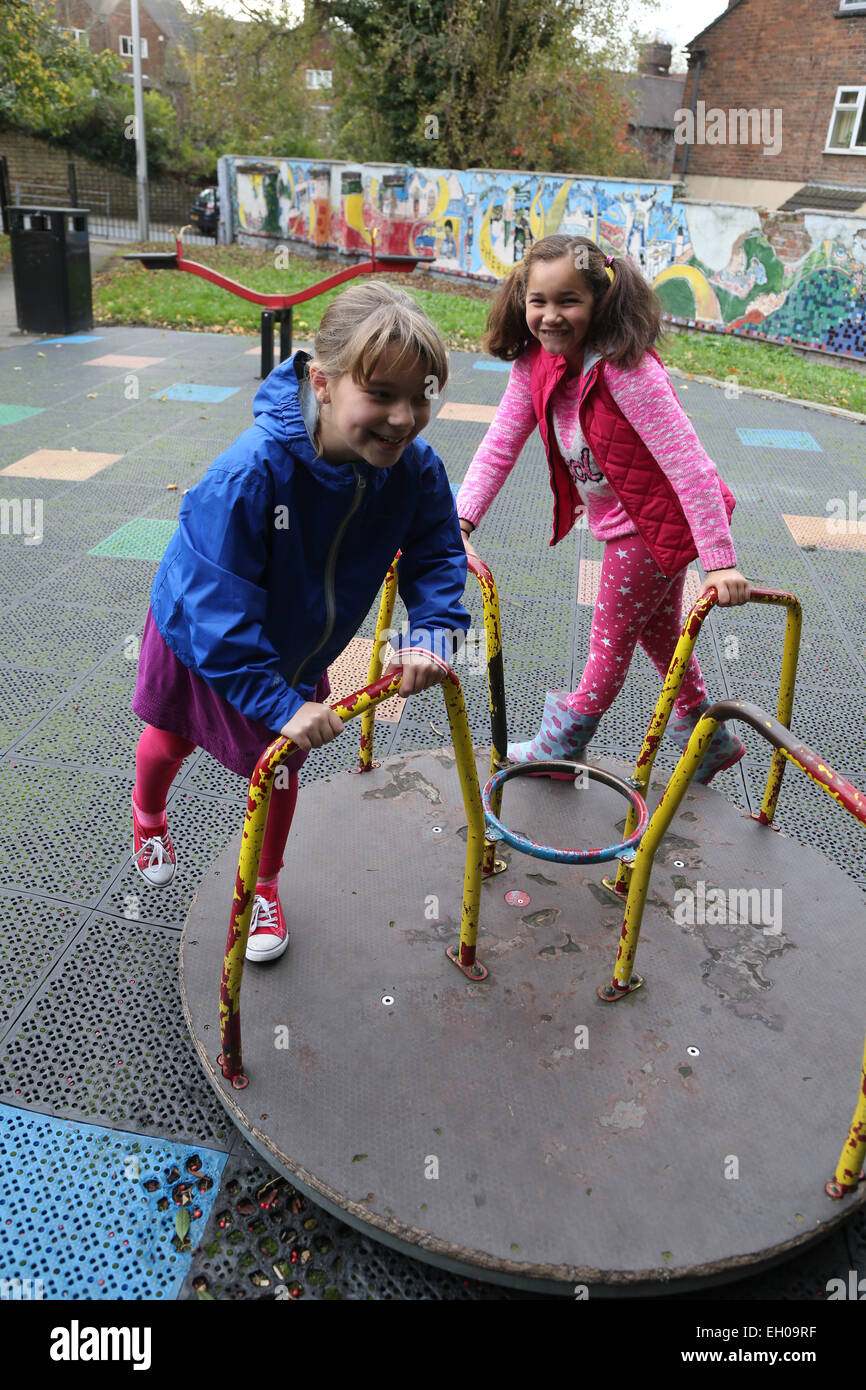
(157, 763)
(635, 604)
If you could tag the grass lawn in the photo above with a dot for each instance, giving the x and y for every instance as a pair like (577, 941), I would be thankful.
(126, 293)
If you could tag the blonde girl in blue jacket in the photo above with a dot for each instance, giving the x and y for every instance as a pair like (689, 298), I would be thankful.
(279, 553)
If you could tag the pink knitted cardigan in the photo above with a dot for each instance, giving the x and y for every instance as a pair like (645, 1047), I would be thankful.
(646, 399)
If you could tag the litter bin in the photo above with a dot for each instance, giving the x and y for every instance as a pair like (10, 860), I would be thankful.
(51, 269)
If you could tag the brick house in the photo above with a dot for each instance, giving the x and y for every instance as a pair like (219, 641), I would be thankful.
(775, 106)
(107, 24)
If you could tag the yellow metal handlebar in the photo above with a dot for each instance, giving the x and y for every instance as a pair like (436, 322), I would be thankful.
(674, 679)
(258, 801)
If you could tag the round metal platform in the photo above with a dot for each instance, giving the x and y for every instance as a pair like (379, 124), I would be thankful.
(520, 1130)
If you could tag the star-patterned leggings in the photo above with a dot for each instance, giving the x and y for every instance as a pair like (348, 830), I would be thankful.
(635, 604)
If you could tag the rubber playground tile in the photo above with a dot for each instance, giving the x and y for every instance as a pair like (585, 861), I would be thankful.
(190, 391)
(143, 539)
(829, 533)
(24, 921)
(70, 338)
(780, 439)
(11, 414)
(25, 696)
(462, 410)
(492, 366)
(108, 1208)
(120, 359)
(104, 1039)
(94, 726)
(71, 465)
(56, 637)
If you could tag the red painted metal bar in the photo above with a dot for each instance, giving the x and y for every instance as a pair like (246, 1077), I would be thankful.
(400, 265)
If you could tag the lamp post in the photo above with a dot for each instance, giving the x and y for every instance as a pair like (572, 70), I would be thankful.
(140, 143)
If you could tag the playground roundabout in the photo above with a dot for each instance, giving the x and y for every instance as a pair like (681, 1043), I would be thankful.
(524, 1107)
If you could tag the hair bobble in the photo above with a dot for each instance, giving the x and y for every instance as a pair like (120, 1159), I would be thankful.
(608, 263)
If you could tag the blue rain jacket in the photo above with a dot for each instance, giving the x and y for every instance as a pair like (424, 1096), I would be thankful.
(239, 596)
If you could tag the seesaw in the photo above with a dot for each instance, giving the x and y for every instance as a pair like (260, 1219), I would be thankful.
(277, 307)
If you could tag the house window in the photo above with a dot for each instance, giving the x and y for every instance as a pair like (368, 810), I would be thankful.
(852, 6)
(320, 77)
(79, 36)
(126, 46)
(847, 134)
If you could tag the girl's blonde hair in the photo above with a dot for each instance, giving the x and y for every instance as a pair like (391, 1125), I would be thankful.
(364, 321)
(626, 315)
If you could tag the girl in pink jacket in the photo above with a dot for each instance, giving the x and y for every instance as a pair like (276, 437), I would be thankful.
(579, 327)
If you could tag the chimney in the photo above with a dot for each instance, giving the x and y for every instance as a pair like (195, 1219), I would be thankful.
(655, 59)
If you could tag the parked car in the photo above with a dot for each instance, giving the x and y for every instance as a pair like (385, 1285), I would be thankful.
(205, 211)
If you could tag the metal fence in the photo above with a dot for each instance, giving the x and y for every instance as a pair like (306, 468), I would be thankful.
(111, 200)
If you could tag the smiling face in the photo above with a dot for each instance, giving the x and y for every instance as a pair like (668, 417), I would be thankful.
(559, 308)
(375, 420)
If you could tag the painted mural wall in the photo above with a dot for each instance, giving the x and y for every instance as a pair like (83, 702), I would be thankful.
(786, 277)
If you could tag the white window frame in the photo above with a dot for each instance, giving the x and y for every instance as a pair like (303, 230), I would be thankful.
(317, 78)
(852, 6)
(858, 117)
(127, 52)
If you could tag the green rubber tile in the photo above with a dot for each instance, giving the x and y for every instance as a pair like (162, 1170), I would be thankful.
(11, 414)
(142, 539)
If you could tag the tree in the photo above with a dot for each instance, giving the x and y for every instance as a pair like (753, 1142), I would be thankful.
(494, 83)
(246, 85)
(101, 130)
(44, 75)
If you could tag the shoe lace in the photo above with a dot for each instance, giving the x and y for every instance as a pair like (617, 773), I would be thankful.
(159, 847)
(264, 915)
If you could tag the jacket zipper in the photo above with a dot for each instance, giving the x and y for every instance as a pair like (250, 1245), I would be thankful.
(330, 574)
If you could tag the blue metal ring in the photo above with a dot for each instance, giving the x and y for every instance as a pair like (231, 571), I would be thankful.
(565, 856)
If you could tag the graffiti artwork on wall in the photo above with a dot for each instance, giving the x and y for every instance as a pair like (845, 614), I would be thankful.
(787, 277)
(790, 277)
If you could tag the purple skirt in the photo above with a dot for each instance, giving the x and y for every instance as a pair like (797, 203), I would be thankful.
(171, 696)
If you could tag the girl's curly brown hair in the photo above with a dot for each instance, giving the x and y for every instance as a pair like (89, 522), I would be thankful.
(626, 317)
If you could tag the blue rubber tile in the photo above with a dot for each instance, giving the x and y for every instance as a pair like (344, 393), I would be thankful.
(11, 414)
(492, 366)
(71, 338)
(190, 391)
(143, 539)
(780, 439)
(90, 1212)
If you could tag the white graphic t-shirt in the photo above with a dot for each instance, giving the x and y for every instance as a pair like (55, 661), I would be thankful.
(594, 490)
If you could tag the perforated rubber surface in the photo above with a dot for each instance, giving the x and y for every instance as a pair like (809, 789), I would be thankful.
(70, 624)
